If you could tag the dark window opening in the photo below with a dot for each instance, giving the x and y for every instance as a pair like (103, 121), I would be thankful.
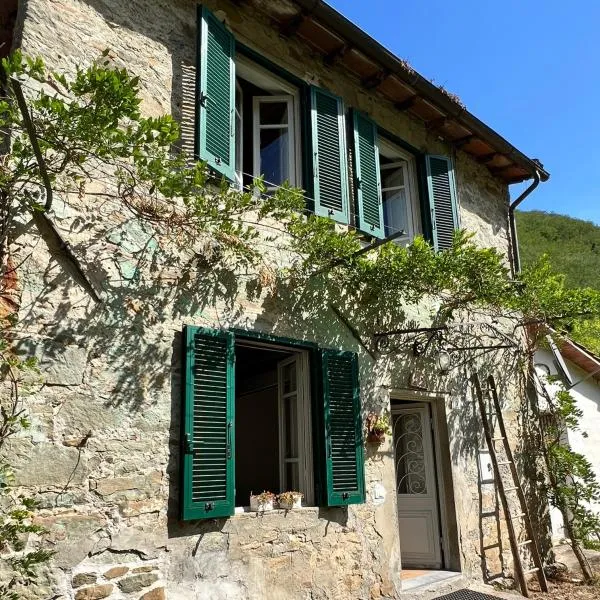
(8, 19)
(257, 419)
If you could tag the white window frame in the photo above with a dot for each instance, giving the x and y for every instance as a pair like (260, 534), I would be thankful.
(264, 79)
(239, 146)
(408, 164)
(303, 410)
(257, 127)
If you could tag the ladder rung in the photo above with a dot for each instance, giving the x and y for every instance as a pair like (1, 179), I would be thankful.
(505, 462)
(489, 513)
(496, 545)
(517, 515)
(497, 439)
(524, 543)
(511, 489)
(534, 570)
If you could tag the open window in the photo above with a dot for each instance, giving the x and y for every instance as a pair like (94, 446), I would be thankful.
(272, 401)
(268, 116)
(267, 416)
(399, 191)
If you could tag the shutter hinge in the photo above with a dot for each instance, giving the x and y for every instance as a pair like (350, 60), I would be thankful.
(209, 506)
(202, 98)
(229, 439)
(345, 495)
(189, 445)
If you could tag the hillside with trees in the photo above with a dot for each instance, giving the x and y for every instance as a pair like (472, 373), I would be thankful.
(573, 247)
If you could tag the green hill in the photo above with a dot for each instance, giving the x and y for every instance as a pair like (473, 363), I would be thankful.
(574, 249)
(572, 245)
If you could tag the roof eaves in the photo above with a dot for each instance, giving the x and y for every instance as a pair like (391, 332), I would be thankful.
(376, 51)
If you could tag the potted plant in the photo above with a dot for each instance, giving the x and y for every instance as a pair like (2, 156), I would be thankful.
(378, 426)
(262, 502)
(289, 500)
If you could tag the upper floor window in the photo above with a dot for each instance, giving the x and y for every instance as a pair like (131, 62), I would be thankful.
(248, 125)
(268, 117)
(398, 191)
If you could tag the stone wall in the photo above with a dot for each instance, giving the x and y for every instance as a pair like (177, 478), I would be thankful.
(102, 455)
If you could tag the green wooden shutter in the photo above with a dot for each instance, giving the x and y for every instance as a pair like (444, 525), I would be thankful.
(330, 160)
(344, 472)
(208, 424)
(443, 208)
(215, 101)
(366, 173)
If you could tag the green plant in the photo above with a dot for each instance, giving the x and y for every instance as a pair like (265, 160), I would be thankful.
(263, 498)
(289, 497)
(379, 425)
(18, 511)
(572, 484)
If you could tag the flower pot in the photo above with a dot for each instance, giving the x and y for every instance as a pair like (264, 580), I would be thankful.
(296, 502)
(257, 504)
(376, 437)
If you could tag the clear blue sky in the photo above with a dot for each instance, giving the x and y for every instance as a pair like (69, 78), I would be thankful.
(530, 69)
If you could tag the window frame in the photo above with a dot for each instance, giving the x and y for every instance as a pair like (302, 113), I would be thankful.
(304, 429)
(408, 162)
(248, 68)
(257, 127)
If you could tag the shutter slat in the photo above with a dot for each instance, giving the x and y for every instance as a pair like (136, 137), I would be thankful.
(442, 200)
(208, 470)
(367, 177)
(215, 103)
(343, 429)
(329, 156)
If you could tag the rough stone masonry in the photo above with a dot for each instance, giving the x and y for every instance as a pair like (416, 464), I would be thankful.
(102, 455)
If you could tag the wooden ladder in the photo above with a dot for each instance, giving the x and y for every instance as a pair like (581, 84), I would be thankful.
(512, 486)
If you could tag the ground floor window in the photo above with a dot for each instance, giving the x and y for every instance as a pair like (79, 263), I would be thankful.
(267, 415)
(273, 452)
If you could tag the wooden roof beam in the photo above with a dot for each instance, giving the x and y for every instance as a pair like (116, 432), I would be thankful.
(375, 80)
(500, 170)
(290, 28)
(337, 54)
(463, 141)
(437, 124)
(487, 158)
(406, 104)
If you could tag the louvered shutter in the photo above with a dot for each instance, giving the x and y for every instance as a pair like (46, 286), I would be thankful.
(330, 170)
(208, 424)
(215, 100)
(344, 472)
(366, 173)
(443, 208)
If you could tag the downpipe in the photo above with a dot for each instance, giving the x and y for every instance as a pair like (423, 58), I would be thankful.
(516, 260)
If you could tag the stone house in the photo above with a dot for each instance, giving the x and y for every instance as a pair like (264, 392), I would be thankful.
(164, 406)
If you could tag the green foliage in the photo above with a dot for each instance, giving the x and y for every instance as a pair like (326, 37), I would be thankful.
(17, 515)
(573, 483)
(572, 245)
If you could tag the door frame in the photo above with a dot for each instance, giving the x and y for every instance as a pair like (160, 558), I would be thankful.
(443, 481)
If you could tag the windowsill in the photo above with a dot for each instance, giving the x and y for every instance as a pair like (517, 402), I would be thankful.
(241, 511)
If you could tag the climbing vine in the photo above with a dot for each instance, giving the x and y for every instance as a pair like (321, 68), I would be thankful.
(84, 136)
(19, 564)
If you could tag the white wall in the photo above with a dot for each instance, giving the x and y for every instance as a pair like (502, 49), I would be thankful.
(587, 440)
